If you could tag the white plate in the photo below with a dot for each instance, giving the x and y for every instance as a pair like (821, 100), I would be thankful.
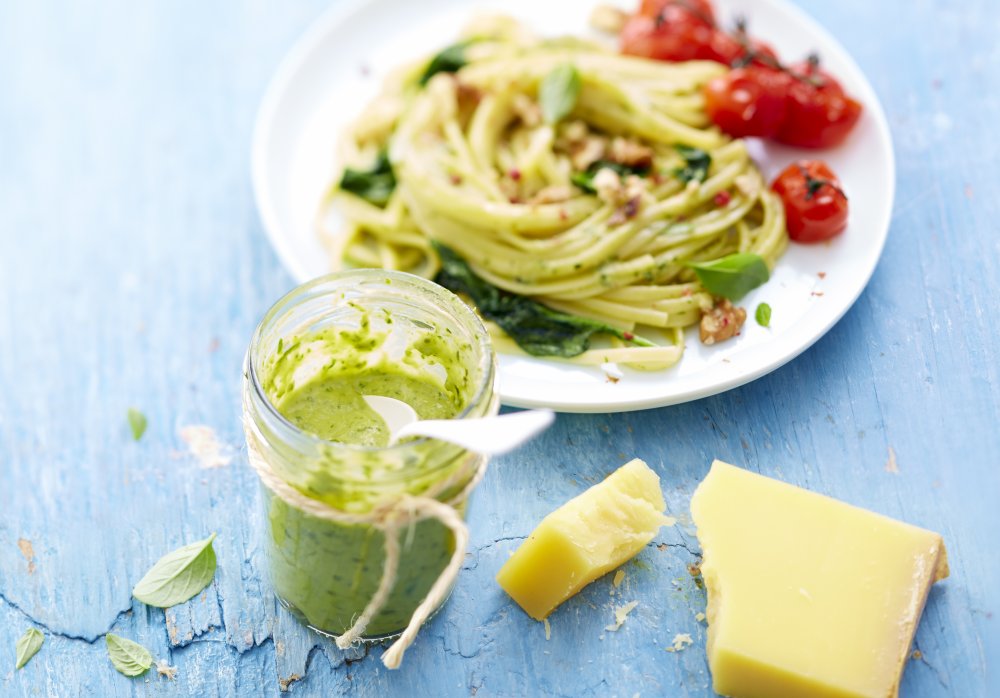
(336, 68)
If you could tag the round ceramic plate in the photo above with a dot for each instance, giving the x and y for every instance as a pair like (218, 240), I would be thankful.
(337, 67)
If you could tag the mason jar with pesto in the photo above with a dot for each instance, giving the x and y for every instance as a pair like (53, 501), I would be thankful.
(332, 486)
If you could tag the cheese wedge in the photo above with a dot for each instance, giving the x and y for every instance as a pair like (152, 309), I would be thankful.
(807, 596)
(585, 538)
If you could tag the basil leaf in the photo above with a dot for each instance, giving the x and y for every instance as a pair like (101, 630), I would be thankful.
(696, 164)
(733, 276)
(558, 92)
(136, 422)
(763, 315)
(375, 185)
(129, 658)
(448, 60)
(585, 180)
(178, 576)
(538, 330)
(28, 646)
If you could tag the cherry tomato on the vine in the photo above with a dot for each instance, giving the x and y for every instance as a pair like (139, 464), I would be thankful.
(820, 114)
(702, 9)
(749, 101)
(676, 35)
(815, 205)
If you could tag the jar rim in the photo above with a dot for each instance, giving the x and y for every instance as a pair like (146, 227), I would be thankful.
(458, 309)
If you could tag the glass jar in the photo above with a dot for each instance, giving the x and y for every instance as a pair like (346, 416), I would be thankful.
(312, 356)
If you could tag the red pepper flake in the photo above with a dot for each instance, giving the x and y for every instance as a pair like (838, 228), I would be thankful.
(723, 198)
(628, 336)
(455, 179)
(515, 199)
(686, 292)
(817, 293)
(563, 215)
(821, 274)
(515, 174)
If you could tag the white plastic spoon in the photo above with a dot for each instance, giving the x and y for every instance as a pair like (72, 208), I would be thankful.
(487, 435)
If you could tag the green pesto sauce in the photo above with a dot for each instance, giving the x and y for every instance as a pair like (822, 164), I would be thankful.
(331, 406)
(326, 573)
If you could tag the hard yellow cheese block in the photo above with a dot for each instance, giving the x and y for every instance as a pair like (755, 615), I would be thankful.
(807, 596)
(585, 538)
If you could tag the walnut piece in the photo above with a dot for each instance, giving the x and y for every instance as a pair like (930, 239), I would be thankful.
(553, 194)
(630, 153)
(527, 110)
(720, 323)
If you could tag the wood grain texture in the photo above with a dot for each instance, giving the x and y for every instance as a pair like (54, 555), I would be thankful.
(133, 269)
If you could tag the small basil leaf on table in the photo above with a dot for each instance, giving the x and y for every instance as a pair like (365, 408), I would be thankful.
(763, 315)
(732, 276)
(178, 576)
(28, 646)
(375, 185)
(558, 92)
(696, 164)
(448, 60)
(538, 330)
(136, 422)
(129, 658)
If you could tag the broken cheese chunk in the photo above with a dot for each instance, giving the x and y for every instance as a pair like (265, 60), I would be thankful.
(585, 538)
(807, 596)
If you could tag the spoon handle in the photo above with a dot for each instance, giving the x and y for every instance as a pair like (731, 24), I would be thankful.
(490, 436)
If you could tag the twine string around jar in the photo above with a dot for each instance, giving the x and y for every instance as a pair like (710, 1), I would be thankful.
(389, 518)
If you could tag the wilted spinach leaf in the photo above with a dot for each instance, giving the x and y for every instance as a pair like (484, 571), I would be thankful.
(375, 185)
(538, 330)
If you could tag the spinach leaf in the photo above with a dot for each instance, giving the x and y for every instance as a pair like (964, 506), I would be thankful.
(585, 180)
(696, 164)
(375, 185)
(136, 422)
(732, 276)
(763, 315)
(129, 658)
(538, 330)
(448, 60)
(178, 576)
(558, 92)
(28, 646)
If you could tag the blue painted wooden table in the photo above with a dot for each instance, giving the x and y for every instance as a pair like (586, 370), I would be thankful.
(133, 268)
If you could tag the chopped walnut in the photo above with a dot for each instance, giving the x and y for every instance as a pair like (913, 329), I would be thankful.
(626, 211)
(527, 110)
(720, 323)
(606, 18)
(468, 96)
(552, 194)
(630, 153)
(585, 153)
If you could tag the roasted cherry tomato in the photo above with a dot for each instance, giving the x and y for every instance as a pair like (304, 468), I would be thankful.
(702, 9)
(749, 101)
(820, 114)
(815, 205)
(738, 49)
(675, 36)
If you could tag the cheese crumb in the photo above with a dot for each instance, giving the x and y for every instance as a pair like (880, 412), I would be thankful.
(699, 616)
(204, 444)
(548, 629)
(164, 669)
(619, 578)
(621, 613)
(681, 641)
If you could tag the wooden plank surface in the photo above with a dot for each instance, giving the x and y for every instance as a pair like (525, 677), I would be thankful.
(133, 268)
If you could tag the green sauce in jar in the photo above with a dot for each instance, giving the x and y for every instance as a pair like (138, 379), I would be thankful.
(311, 362)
